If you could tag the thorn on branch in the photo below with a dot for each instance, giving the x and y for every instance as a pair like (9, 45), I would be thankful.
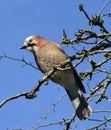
(93, 63)
(64, 34)
(64, 38)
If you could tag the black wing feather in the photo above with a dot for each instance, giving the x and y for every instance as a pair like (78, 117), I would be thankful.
(79, 82)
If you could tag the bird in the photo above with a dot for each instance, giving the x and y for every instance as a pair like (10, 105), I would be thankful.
(49, 54)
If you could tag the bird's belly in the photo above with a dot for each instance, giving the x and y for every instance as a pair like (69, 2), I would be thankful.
(64, 78)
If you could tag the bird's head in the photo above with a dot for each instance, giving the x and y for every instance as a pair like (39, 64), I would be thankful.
(34, 43)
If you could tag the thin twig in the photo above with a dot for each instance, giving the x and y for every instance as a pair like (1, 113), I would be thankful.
(12, 98)
(97, 126)
(31, 94)
(47, 112)
(20, 60)
(104, 6)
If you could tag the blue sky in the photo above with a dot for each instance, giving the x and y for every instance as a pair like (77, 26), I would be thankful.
(20, 19)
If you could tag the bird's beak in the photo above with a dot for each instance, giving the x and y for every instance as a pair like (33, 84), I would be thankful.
(23, 47)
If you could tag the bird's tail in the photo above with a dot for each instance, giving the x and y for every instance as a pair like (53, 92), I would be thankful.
(82, 109)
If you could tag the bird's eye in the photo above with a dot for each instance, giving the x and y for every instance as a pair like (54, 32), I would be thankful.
(30, 40)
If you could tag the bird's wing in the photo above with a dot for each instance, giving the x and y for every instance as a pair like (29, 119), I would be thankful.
(79, 82)
(59, 47)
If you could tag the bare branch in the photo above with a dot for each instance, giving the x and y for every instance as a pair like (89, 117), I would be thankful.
(12, 98)
(19, 60)
(47, 113)
(97, 126)
(31, 94)
(92, 44)
(104, 6)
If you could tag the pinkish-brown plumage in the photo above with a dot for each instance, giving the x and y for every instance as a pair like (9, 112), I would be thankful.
(49, 54)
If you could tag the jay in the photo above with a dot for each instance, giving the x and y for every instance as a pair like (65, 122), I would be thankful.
(49, 54)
